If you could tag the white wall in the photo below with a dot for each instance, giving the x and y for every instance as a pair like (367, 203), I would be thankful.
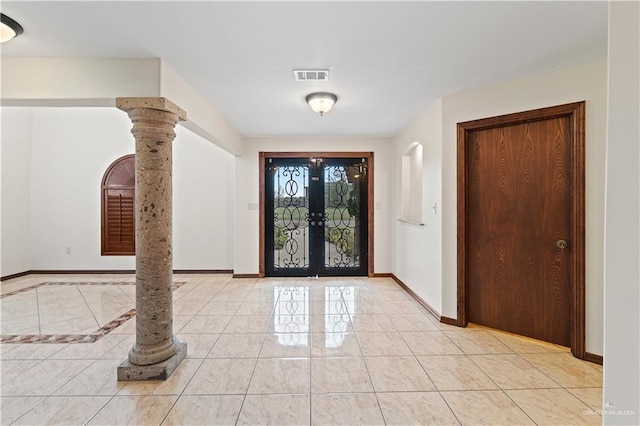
(247, 194)
(586, 83)
(71, 149)
(97, 82)
(202, 118)
(417, 254)
(440, 140)
(622, 257)
(16, 184)
(203, 179)
(46, 81)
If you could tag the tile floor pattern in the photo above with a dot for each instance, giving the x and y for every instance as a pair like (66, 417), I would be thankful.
(291, 351)
(66, 312)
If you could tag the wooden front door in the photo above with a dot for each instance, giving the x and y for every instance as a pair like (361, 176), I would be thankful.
(523, 223)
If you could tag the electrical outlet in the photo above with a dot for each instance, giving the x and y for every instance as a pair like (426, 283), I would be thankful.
(67, 250)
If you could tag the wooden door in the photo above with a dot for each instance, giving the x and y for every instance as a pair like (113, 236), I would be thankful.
(523, 224)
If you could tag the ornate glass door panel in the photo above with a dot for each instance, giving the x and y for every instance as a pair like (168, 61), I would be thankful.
(345, 208)
(287, 225)
(313, 211)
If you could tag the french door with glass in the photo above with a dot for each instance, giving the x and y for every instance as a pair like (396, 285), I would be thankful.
(316, 216)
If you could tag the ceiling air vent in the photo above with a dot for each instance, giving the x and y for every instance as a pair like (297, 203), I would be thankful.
(311, 75)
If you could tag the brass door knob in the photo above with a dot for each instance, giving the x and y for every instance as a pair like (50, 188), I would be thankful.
(562, 244)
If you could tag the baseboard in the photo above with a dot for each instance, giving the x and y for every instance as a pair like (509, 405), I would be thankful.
(18, 275)
(450, 321)
(596, 359)
(383, 275)
(67, 272)
(399, 281)
(109, 271)
(246, 276)
(81, 271)
(417, 298)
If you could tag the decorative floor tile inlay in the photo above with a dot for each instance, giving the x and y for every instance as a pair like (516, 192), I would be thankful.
(72, 338)
(292, 351)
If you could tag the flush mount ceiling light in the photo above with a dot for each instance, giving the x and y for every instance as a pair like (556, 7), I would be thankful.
(321, 102)
(9, 28)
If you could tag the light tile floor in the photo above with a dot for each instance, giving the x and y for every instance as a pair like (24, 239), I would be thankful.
(343, 351)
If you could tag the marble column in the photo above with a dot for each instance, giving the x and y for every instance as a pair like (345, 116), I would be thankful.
(156, 352)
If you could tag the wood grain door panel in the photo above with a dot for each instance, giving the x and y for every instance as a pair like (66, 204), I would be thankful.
(518, 207)
(520, 191)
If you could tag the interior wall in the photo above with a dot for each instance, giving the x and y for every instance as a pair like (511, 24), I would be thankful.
(417, 254)
(586, 83)
(247, 193)
(203, 178)
(425, 258)
(202, 118)
(16, 183)
(40, 81)
(71, 149)
(622, 250)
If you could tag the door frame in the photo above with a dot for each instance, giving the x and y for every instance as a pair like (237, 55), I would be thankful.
(263, 156)
(576, 114)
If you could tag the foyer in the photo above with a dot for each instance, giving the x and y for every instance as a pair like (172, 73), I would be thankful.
(405, 78)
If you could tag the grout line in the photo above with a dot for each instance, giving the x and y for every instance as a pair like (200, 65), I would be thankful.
(88, 307)
(45, 397)
(415, 356)
(581, 399)
(449, 406)
(480, 368)
(539, 370)
(29, 409)
(183, 389)
(255, 366)
(132, 299)
(375, 393)
(518, 405)
(100, 409)
(366, 366)
(38, 311)
(310, 334)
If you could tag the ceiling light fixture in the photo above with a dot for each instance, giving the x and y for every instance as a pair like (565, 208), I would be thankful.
(9, 28)
(321, 102)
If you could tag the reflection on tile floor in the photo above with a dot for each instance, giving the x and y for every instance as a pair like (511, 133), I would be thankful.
(278, 351)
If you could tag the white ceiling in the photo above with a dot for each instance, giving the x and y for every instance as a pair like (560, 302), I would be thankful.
(389, 60)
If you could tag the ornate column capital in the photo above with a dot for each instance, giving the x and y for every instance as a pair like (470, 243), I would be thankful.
(161, 104)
